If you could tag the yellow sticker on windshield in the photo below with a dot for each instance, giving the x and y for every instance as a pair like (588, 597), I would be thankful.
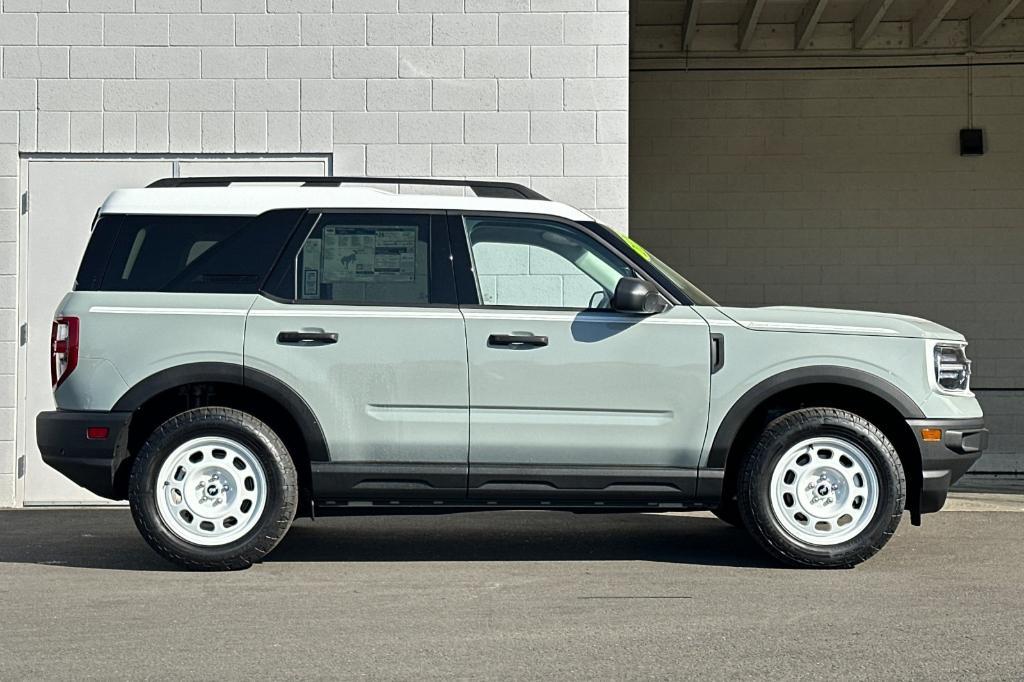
(636, 247)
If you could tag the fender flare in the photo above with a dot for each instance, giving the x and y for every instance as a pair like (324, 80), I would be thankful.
(230, 373)
(804, 376)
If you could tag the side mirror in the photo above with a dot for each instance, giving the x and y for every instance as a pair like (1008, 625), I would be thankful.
(633, 295)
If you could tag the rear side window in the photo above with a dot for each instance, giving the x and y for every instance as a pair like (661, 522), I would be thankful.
(364, 258)
(202, 254)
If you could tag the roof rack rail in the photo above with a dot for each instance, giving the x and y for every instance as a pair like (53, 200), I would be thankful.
(482, 188)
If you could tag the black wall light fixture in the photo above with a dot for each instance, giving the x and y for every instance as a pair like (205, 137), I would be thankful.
(972, 140)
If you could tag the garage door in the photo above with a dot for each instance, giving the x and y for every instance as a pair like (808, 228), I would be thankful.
(64, 197)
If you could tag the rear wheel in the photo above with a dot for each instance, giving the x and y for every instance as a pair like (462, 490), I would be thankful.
(213, 488)
(822, 488)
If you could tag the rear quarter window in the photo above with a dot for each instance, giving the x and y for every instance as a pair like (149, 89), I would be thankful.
(201, 254)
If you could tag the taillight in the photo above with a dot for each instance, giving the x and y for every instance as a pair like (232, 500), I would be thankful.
(63, 349)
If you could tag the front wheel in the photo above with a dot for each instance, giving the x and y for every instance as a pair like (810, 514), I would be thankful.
(822, 488)
(213, 488)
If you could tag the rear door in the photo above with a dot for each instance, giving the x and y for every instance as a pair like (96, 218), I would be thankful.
(570, 400)
(361, 320)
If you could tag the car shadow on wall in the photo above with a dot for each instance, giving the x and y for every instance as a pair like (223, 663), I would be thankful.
(107, 539)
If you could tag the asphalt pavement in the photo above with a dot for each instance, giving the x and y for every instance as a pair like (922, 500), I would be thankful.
(512, 595)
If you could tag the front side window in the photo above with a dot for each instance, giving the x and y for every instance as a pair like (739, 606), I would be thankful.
(541, 264)
(363, 258)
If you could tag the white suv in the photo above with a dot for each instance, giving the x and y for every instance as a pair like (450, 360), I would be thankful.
(237, 351)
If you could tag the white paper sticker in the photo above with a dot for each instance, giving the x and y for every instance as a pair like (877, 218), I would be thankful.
(311, 257)
(353, 253)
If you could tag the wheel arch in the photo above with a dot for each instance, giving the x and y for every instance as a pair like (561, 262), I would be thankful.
(860, 392)
(159, 396)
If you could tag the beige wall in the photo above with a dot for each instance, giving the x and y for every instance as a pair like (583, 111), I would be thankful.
(845, 188)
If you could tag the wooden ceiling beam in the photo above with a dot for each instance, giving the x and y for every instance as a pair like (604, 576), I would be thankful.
(807, 22)
(867, 21)
(690, 22)
(988, 17)
(748, 23)
(928, 18)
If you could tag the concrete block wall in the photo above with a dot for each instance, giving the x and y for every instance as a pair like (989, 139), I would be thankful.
(845, 188)
(531, 90)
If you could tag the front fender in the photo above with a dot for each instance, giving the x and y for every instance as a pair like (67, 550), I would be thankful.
(734, 419)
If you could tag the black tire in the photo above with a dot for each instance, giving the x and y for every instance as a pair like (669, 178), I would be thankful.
(281, 496)
(729, 512)
(753, 490)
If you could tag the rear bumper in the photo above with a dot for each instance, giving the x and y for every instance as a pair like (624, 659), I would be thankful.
(92, 464)
(943, 462)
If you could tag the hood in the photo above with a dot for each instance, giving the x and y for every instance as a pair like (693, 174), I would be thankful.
(829, 321)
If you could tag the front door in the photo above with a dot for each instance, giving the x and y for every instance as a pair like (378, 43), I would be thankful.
(570, 400)
(363, 324)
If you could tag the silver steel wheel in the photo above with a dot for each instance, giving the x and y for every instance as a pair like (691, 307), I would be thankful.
(211, 491)
(824, 491)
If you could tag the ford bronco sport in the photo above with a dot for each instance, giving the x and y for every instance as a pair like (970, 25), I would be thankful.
(237, 351)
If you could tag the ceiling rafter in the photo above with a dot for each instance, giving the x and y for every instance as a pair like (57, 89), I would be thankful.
(867, 21)
(988, 17)
(807, 22)
(690, 22)
(748, 23)
(929, 18)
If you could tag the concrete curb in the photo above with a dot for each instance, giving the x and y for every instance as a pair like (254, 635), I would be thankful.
(984, 502)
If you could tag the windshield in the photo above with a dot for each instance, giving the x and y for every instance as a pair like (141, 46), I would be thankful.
(692, 292)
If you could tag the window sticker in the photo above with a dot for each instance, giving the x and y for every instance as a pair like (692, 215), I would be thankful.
(368, 254)
(311, 264)
(311, 283)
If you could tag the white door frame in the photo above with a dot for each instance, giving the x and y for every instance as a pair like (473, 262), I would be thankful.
(22, 421)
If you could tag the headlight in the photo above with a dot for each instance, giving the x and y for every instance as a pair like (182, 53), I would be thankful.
(952, 368)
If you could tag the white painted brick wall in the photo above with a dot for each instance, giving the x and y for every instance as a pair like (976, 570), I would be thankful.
(486, 88)
(845, 188)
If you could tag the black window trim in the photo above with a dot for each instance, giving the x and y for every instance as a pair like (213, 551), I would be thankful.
(439, 235)
(294, 216)
(121, 218)
(462, 256)
(101, 270)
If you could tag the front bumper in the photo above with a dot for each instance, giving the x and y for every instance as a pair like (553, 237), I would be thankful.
(943, 462)
(91, 463)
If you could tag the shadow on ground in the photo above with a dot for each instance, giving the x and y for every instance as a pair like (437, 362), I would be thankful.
(107, 539)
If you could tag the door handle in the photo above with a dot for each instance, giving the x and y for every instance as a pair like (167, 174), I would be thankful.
(309, 338)
(517, 340)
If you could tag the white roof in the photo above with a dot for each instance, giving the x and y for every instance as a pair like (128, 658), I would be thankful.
(256, 199)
